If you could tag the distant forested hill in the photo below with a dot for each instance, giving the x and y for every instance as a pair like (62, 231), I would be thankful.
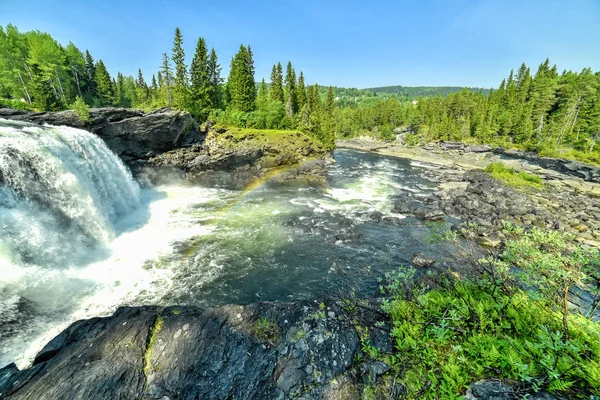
(416, 91)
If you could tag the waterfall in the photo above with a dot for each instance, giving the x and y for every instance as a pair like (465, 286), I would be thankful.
(61, 191)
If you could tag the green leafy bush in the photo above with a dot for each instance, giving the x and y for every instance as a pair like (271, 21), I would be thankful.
(516, 179)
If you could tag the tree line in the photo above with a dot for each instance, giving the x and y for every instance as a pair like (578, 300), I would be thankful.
(39, 73)
(548, 112)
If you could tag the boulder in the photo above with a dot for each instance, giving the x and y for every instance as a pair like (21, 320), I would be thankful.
(446, 145)
(422, 261)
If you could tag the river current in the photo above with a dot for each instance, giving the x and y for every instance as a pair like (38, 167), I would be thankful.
(80, 237)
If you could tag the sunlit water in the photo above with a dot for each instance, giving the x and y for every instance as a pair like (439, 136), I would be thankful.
(80, 238)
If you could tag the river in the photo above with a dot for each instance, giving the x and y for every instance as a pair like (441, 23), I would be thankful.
(80, 237)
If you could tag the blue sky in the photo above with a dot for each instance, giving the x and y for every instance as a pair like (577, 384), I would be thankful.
(343, 43)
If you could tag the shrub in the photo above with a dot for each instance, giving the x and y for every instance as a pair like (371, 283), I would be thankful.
(15, 104)
(81, 109)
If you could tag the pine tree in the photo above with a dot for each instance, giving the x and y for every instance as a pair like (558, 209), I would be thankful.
(291, 101)
(301, 91)
(200, 81)
(215, 81)
(180, 84)
(104, 84)
(276, 92)
(240, 84)
(167, 80)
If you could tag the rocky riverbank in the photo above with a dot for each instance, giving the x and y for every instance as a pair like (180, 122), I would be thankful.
(169, 139)
(567, 203)
(306, 350)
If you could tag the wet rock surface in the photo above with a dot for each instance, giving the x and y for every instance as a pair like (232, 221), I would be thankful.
(497, 390)
(306, 350)
(267, 350)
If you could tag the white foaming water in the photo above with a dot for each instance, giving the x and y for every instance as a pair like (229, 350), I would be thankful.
(371, 192)
(76, 232)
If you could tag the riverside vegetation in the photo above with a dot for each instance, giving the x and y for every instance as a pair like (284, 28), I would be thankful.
(509, 318)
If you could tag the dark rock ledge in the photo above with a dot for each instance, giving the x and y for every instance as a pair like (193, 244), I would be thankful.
(130, 133)
(306, 349)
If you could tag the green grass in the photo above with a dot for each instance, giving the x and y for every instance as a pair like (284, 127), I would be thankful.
(519, 180)
(268, 132)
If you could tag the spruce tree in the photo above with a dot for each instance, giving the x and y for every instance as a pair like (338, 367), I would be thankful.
(90, 69)
(104, 84)
(543, 95)
(167, 80)
(241, 85)
(153, 88)
(328, 125)
(215, 81)
(262, 99)
(200, 81)
(142, 87)
(180, 84)
(301, 91)
(291, 101)
(276, 92)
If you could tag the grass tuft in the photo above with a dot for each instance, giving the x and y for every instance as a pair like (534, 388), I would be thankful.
(519, 180)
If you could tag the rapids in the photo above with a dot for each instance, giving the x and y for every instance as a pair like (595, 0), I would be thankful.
(79, 237)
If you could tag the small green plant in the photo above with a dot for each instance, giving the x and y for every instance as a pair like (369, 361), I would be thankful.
(512, 178)
(440, 232)
(156, 327)
(266, 330)
(81, 109)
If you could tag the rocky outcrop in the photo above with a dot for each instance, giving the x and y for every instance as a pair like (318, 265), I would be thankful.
(241, 155)
(131, 134)
(170, 139)
(263, 351)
